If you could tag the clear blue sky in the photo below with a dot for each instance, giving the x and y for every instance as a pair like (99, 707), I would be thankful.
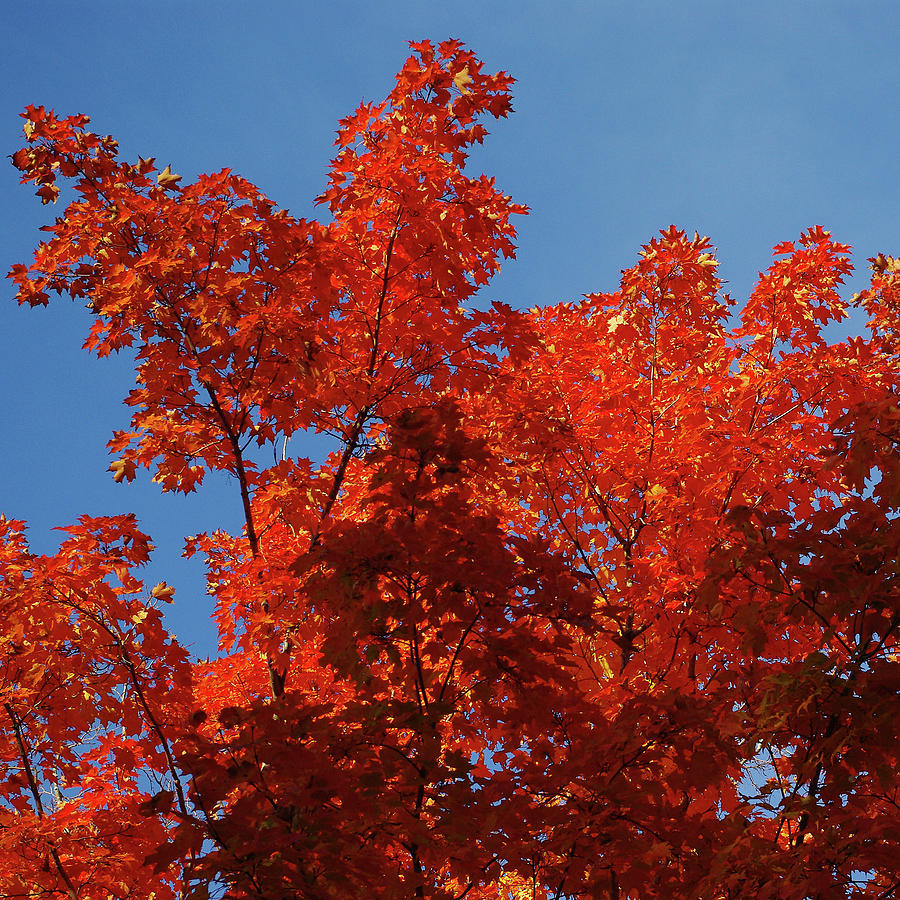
(744, 121)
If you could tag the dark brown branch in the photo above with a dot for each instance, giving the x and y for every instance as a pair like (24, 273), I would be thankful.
(36, 794)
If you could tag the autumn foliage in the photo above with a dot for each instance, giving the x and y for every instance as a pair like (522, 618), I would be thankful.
(596, 600)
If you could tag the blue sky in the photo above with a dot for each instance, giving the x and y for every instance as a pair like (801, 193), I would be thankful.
(747, 122)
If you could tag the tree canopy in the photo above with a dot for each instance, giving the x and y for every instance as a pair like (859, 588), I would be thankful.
(597, 599)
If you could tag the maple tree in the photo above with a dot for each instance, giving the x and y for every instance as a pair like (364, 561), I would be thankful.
(598, 599)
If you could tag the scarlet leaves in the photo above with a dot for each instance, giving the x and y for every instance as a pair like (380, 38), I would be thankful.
(594, 600)
(88, 678)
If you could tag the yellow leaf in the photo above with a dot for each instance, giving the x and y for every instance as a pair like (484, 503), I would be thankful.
(605, 666)
(122, 469)
(461, 79)
(163, 591)
(167, 178)
(615, 322)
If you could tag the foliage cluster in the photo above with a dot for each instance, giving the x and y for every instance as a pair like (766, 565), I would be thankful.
(598, 599)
